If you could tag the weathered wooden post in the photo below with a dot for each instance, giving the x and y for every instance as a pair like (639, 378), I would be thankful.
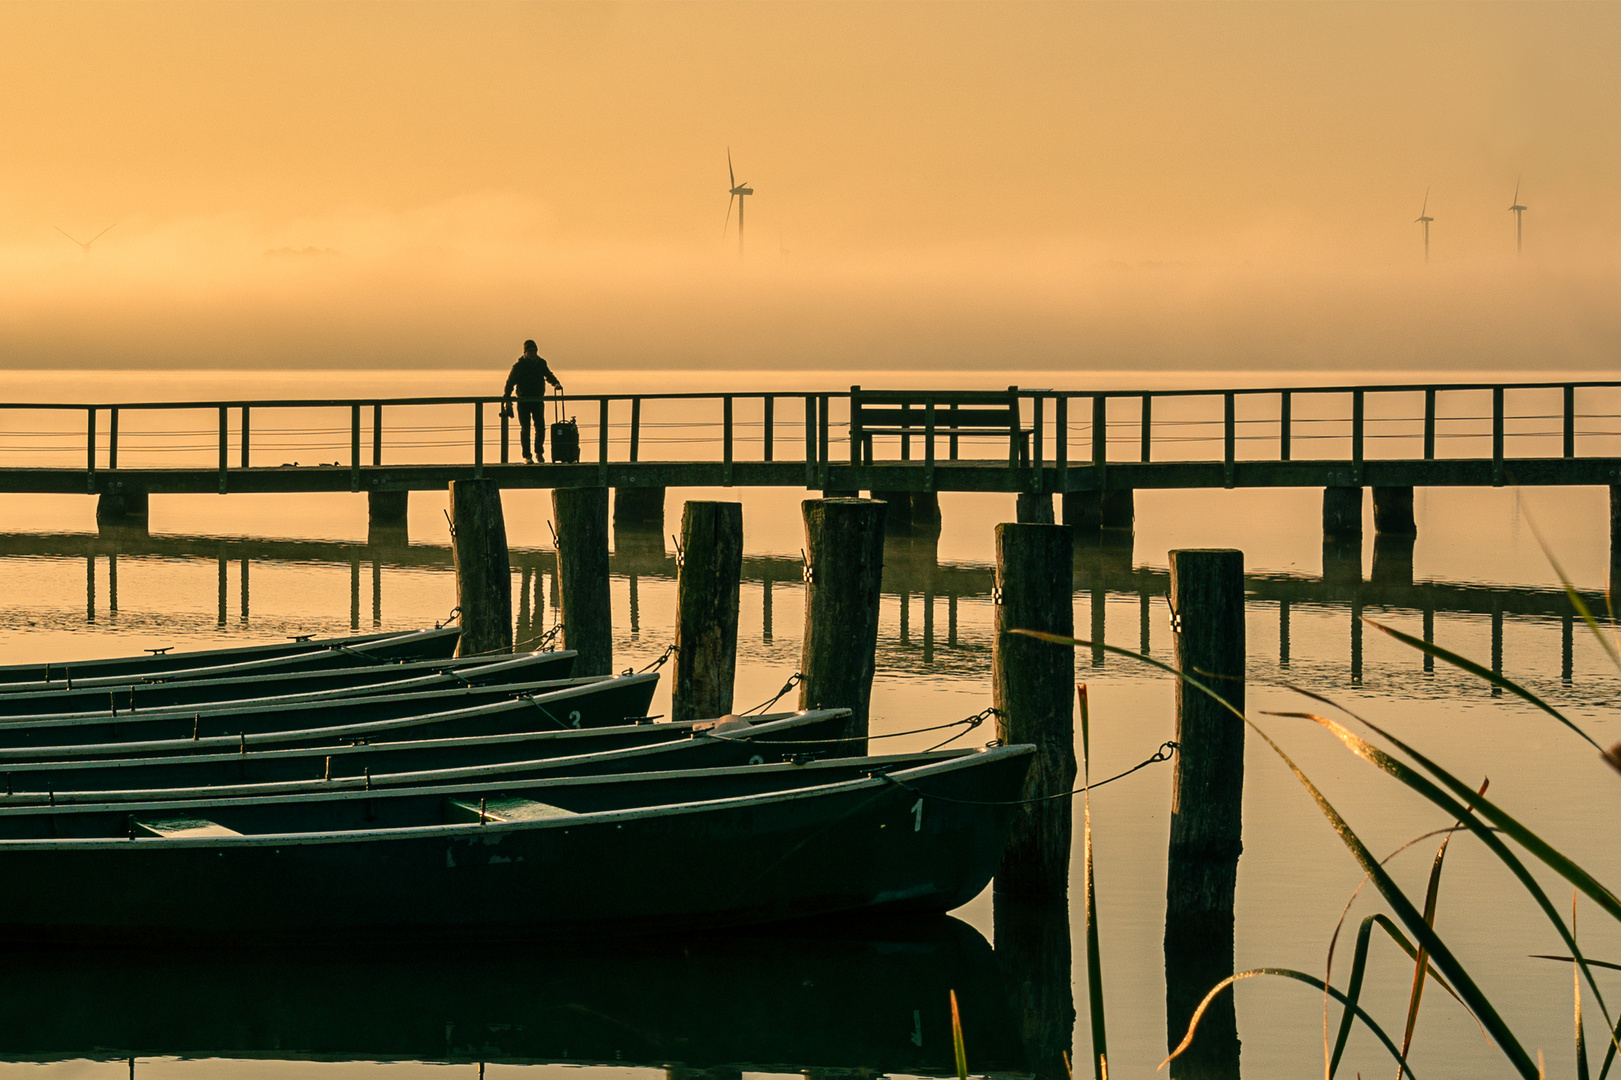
(1207, 599)
(638, 520)
(706, 610)
(1392, 511)
(483, 573)
(1033, 688)
(122, 510)
(844, 541)
(1342, 513)
(1034, 509)
(898, 516)
(1118, 509)
(1615, 540)
(581, 516)
(926, 514)
(386, 515)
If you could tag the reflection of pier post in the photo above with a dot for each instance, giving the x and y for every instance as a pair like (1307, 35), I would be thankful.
(1356, 637)
(376, 591)
(1283, 633)
(1497, 640)
(224, 570)
(90, 586)
(951, 620)
(1429, 633)
(634, 581)
(1032, 943)
(354, 590)
(765, 609)
(112, 582)
(1567, 647)
(1207, 593)
(242, 616)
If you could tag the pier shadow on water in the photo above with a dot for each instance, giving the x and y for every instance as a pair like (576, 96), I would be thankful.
(867, 996)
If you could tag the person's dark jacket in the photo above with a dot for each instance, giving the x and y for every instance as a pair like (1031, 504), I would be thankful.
(530, 376)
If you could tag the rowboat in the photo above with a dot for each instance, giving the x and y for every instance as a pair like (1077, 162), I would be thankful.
(547, 857)
(557, 705)
(867, 994)
(157, 662)
(370, 766)
(137, 698)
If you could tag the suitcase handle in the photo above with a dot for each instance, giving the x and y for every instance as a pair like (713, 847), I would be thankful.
(557, 406)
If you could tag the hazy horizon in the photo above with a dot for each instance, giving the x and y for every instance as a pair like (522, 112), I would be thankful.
(1042, 187)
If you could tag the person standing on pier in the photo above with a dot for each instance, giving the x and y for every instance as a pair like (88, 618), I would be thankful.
(529, 378)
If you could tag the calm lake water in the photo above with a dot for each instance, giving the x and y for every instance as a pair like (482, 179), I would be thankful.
(247, 568)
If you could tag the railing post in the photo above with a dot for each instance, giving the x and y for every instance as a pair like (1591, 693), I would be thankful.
(1100, 436)
(602, 441)
(1229, 436)
(635, 428)
(90, 450)
(1148, 427)
(225, 446)
(478, 440)
(906, 429)
(928, 443)
(1285, 423)
(1038, 404)
(1429, 424)
(376, 435)
(1569, 422)
(246, 431)
(726, 440)
(823, 451)
(768, 428)
(354, 447)
(952, 420)
(1061, 442)
(1357, 417)
(1497, 436)
(856, 438)
(506, 435)
(112, 438)
(810, 441)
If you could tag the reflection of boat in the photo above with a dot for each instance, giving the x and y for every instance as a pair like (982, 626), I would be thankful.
(621, 748)
(573, 703)
(307, 654)
(867, 993)
(554, 856)
(136, 698)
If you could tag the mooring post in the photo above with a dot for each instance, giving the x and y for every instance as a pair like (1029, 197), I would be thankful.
(844, 542)
(386, 515)
(581, 515)
(706, 605)
(1033, 690)
(483, 574)
(1207, 605)
(1342, 513)
(1034, 509)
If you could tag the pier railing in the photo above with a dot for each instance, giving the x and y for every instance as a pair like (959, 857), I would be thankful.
(1063, 440)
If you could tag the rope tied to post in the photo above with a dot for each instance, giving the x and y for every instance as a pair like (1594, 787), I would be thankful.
(1166, 751)
(793, 680)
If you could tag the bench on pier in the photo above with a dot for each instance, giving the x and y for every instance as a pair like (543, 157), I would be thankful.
(928, 413)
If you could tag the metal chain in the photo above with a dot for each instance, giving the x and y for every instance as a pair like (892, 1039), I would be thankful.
(793, 680)
(1164, 753)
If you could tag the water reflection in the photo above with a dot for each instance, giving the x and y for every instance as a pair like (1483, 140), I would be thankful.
(865, 996)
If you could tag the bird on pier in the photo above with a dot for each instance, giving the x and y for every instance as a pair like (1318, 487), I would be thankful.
(1519, 220)
(85, 244)
(1425, 219)
(737, 192)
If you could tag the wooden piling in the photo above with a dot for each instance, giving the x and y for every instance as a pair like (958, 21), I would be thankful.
(1393, 511)
(1033, 690)
(1118, 509)
(898, 515)
(1615, 543)
(386, 516)
(1342, 513)
(125, 509)
(926, 514)
(706, 610)
(1207, 601)
(639, 508)
(483, 573)
(844, 543)
(1083, 511)
(1034, 509)
(581, 517)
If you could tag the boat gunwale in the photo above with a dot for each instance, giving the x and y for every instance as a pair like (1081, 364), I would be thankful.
(967, 758)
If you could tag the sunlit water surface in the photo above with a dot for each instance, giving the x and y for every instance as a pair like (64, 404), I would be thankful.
(1295, 877)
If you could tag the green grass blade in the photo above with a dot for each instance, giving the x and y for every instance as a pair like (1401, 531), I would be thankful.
(1576, 990)
(1353, 993)
(1484, 673)
(1421, 962)
(1094, 966)
(1410, 917)
(1299, 976)
(956, 1039)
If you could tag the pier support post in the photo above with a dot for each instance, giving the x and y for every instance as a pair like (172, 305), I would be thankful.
(1392, 559)
(1118, 509)
(706, 610)
(581, 516)
(898, 515)
(1207, 594)
(1035, 509)
(1342, 513)
(123, 510)
(1615, 539)
(483, 573)
(639, 508)
(926, 514)
(386, 515)
(844, 541)
(1083, 512)
(1033, 688)
(1393, 511)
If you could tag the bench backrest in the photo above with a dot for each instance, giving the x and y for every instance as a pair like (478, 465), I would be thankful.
(955, 410)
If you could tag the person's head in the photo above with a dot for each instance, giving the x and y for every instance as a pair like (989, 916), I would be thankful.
(529, 348)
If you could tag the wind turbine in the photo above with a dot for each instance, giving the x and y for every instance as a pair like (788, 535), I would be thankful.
(738, 191)
(1424, 216)
(85, 243)
(1519, 220)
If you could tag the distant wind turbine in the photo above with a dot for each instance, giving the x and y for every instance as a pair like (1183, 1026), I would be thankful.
(86, 243)
(1424, 216)
(1519, 220)
(738, 191)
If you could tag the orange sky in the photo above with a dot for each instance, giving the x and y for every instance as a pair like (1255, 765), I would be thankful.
(1036, 185)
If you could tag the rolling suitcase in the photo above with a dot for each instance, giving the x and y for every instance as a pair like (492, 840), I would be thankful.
(565, 436)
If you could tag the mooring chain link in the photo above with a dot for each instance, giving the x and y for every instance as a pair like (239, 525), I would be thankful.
(1165, 752)
(454, 616)
(663, 658)
(793, 680)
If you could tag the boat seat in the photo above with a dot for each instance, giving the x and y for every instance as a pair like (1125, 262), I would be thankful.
(188, 828)
(513, 809)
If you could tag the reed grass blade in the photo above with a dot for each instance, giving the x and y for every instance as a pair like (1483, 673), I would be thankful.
(956, 1039)
(1576, 991)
